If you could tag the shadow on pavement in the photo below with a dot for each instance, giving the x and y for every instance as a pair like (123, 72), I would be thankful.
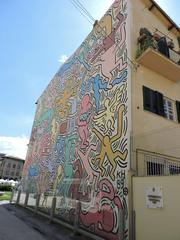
(49, 230)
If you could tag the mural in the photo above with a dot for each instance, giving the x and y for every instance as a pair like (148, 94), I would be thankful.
(79, 146)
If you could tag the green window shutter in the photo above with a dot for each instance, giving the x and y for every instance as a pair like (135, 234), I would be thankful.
(160, 104)
(178, 110)
(149, 100)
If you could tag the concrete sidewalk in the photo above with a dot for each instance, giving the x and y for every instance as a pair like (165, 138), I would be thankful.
(17, 223)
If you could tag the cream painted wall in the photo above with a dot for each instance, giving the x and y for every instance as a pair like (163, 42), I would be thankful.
(150, 131)
(152, 20)
(157, 224)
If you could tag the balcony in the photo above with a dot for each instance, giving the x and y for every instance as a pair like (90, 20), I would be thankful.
(155, 54)
(155, 164)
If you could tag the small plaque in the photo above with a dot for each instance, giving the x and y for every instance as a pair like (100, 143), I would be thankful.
(154, 197)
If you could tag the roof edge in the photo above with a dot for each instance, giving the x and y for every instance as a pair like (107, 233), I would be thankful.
(173, 24)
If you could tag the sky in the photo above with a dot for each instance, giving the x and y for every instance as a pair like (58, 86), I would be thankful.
(36, 37)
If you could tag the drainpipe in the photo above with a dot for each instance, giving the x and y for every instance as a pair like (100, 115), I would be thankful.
(132, 236)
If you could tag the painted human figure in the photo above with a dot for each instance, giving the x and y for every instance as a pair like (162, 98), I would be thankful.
(103, 214)
(81, 56)
(91, 176)
(98, 85)
(106, 147)
(67, 178)
(83, 120)
(105, 119)
(107, 59)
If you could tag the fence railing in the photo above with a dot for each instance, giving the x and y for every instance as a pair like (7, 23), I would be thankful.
(155, 164)
(53, 206)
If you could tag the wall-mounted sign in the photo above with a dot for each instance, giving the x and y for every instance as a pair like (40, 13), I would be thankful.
(154, 197)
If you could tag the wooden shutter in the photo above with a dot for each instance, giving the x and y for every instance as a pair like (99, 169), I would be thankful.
(153, 101)
(147, 98)
(159, 104)
(178, 110)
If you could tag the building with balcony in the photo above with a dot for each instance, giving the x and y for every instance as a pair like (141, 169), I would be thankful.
(111, 112)
(10, 167)
(155, 43)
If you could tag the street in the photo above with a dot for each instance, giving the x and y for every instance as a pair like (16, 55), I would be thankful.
(13, 228)
(17, 223)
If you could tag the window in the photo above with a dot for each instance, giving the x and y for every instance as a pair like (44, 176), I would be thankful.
(173, 169)
(9, 165)
(153, 101)
(19, 166)
(169, 109)
(14, 165)
(156, 103)
(154, 168)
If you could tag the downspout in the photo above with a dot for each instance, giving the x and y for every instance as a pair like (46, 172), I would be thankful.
(130, 172)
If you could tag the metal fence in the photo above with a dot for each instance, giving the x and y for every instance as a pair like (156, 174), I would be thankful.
(174, 56)
(152, 43)
(51, 206)
(155, 164)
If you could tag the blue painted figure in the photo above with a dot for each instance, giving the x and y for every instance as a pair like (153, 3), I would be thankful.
(97, 86)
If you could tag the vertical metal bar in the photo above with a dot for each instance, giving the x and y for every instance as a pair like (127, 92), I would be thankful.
(37, 203)
(133, 225)
(12, 195)
(53, 207)
(121, 223)
(76, 220)
(26, 199)
(145, 165)
(18, 197)
(165, 163)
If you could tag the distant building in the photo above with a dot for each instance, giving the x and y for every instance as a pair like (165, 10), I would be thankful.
(10, 167)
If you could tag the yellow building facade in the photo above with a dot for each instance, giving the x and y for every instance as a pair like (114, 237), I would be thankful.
(155, 122)
(155, 132)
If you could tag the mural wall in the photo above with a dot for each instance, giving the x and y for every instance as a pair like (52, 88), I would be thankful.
(79, 146)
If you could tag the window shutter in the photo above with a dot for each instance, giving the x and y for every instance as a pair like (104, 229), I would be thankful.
(178, 110)
(153, 102)
(162, 47)
(160, 104)
(147, 98)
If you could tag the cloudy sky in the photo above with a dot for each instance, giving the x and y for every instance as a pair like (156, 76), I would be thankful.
(36, 37)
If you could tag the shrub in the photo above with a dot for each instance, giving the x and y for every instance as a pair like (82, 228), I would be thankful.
(6, 188)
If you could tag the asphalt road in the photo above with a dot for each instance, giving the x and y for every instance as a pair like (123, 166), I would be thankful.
(13, 228)
(17, 223)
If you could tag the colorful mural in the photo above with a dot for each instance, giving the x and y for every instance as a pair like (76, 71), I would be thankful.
(79, 146)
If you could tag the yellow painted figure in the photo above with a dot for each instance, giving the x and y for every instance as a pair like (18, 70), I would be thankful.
(106, 147)
(105, 118)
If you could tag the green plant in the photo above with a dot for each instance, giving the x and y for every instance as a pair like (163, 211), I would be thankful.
(5, 196)
(6, 188)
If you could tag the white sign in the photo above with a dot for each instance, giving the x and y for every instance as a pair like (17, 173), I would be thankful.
(154, 197)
